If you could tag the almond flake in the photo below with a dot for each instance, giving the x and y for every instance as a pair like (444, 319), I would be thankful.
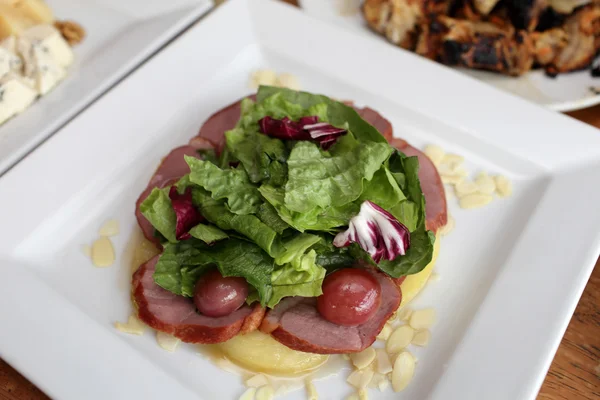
(133, 326)
(404, 313)
(265, 393)
(288, 81)
(385, 332)
(465, 187)
(485, 183)
(109, 228)
(311, 391)
(503, 186)
(421, 338)
(422, 319)
(257, 381)
(475, 200)
(399, 339)
(166, 341)
(364, 358)
(384, 365)
(435, 153)
(248, 394)
(360, 378)
(404, 370)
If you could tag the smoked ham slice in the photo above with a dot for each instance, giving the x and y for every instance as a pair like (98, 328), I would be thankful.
(431, 185)
(177, 315)
(171, 168)
(296, 323)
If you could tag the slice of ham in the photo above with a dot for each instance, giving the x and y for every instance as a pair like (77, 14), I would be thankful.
(431, 184)
(177, 315)
(296, 323)
(171, 168)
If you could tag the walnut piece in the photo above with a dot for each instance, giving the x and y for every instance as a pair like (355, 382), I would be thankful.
(71, 31)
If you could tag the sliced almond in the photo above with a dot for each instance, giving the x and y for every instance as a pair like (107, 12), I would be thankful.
(87, 250)
(363, 394)
(485, 183)
(422, 319)
(265, 393)
(166, 341)
(257, 381)
(133, 326)
(248, 394)
(384, 384)
(364, 358)
(385, 332)
(452, 179)
(103, 252)
(288, 81)
(360, 378)
(421, 338)
(109, 228)
(435, 153)
(465, 187)
(263, 77)
(475, 200)
(311, 391)
(450, 224)
(353, 396)
(404, 313)
(453, 160)
(503, 186)
(399, 339)
(404, 370)
(384, 365)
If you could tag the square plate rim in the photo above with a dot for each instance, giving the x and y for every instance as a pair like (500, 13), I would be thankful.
(557, 122)
(26, 146)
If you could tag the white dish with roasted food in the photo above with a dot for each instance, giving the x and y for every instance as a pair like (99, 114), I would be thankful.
(569, 42)
(117, 38)
(504, 292)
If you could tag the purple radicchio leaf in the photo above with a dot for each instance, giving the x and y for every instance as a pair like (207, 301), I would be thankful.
(377, 232)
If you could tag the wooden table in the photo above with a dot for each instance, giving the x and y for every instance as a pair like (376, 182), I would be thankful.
(574, 374)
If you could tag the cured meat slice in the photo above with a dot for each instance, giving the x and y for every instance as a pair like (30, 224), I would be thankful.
(431, 184)
(177, 315)
(296, 323)
(172, 167)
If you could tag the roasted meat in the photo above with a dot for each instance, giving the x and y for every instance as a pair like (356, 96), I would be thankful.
(398, 20)
(583, 31)
(547, 45)
(482, 45)
(484, 7)
(525, 14)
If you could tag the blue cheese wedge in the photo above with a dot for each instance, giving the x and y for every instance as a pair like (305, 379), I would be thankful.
(45, 55)
(9, 60)
(15, 95)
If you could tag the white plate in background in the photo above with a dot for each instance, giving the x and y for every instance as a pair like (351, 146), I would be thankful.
(566, 92)
(511, 272)
(119, 36)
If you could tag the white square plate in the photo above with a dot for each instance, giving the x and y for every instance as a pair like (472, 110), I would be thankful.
(511, 273)
(120, 35)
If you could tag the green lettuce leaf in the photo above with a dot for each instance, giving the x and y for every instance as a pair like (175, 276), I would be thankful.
(331, 179)
(181, 264)
(230, 184)
(302, 277)
(296, 247)
(256, 152)
(417, 257)
(269, 216)
(207, 233)
(157, 209)
(250, 226)
(338, 114)
(317, 219)
(383, 190)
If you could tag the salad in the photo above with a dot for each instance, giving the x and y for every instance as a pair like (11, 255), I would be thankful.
(289, 215)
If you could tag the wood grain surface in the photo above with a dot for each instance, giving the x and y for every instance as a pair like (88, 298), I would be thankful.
(575, 371)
